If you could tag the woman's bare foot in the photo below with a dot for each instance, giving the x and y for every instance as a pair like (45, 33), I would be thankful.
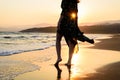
(68, 64)
(57, 62)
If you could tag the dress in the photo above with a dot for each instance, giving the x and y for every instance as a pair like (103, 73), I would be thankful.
(68, 24)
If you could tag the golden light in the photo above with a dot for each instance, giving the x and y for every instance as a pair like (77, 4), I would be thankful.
(73, 15)
(76, 61)
(75, 58)
(82, 12)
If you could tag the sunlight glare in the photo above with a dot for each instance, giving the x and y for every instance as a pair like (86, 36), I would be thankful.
(73, 15)
(82, 12)
(76, 59)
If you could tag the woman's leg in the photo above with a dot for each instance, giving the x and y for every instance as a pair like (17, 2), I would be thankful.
(71, 51)
(58, 41)
(58, 48)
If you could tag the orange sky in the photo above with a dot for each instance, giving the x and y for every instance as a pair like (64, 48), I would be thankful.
(25, 13)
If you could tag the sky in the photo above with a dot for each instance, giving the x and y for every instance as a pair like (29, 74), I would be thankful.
(19, 14)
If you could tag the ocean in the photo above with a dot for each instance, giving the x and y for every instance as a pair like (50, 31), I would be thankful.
(17, 42)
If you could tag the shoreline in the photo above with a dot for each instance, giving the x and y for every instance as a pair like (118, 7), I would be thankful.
(18, 52)
(27, 51)
(109, 43)
(39, 64)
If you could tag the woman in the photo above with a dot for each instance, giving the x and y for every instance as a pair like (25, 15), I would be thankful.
(68, 27)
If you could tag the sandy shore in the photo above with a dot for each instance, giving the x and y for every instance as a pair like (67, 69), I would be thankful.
(93, 62)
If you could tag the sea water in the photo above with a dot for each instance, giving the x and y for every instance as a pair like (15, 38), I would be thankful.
(17, 42)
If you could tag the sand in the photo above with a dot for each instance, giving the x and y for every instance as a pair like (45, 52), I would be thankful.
(100, 61)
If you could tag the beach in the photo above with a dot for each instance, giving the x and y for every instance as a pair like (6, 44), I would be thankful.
(100, 61)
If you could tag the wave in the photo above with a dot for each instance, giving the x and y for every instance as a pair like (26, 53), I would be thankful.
(13, 43)
(7, 53)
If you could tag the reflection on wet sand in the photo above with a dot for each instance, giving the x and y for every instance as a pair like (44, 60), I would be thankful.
(91, 64)
(73, 73)
(59, 71)
(107, 72)
(98, 62)
(109, 43)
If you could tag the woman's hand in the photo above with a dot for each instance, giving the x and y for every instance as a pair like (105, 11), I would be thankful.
(78, 1)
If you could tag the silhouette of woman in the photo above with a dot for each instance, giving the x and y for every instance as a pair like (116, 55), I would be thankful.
(68, 27)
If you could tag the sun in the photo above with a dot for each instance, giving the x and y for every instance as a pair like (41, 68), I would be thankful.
(73, 15)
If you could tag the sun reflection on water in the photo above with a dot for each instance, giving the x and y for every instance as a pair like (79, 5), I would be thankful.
(76, 71)
(76, 59)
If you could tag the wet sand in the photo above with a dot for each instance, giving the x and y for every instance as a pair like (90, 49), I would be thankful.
(100, 61)
(109, 44)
